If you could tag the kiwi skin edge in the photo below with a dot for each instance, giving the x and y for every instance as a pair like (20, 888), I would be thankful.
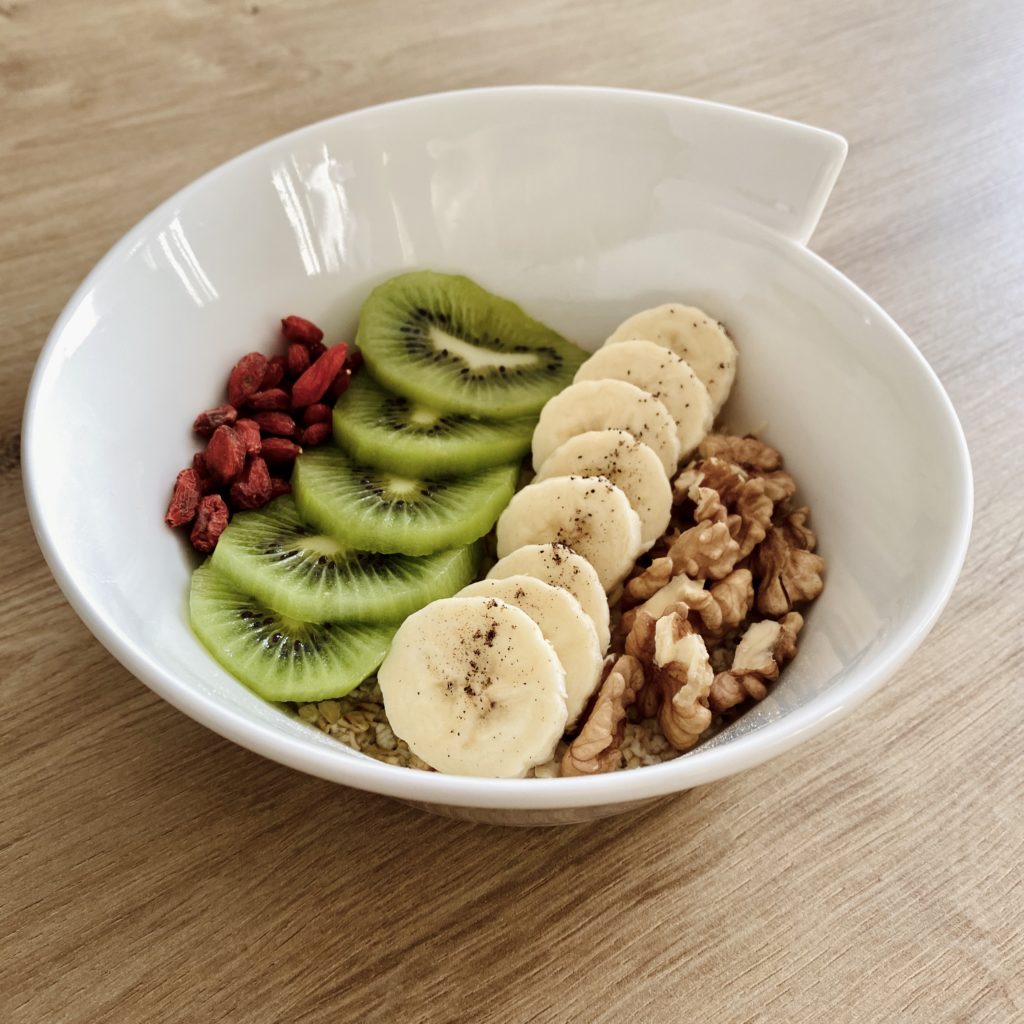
(397, 327)
(274, 556)
(277, 658)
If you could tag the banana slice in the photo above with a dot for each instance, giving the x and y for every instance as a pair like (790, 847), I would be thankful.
(589, 513)
(629, 464)
(607, 405)
(660, 372)
(693, 336)
(560, 566)
(473, 687)
(564, 625)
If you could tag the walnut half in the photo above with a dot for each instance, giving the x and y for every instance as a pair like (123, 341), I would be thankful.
(596, 748)
(766, 646)
(684, 677)
(788, 569)
(748, 452)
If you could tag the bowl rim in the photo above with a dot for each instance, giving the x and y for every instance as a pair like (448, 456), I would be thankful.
(689, 770)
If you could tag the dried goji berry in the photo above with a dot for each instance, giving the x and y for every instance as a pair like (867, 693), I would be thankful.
(225, 455)
(316, 350)
(318, 412)
(246, 377)
(211, 519)
(274, 400)
(310, 387)
(279, 449)
(279, 487)
(249, 431)
(278, 423)
(296, 328)
(207, 422)
(276, 369)
(185, 500)
(315, 434)
(354, 361)
(202, 471)
(339, 385)
(252, 489)
(298, 359)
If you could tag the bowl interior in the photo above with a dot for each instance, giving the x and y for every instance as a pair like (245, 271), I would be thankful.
(548, 207)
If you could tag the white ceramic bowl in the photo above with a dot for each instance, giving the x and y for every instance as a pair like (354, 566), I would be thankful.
(584, 205)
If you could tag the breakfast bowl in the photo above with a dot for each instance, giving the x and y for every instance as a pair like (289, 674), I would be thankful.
(582, 205)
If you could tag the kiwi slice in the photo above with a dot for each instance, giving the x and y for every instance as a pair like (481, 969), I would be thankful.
(370, 509)
(402, 436)
(442, 340)
(277, 657)
(273, 555)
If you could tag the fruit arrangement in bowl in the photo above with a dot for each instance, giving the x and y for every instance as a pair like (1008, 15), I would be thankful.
(300, 598)
(614, 584)
(511, 187)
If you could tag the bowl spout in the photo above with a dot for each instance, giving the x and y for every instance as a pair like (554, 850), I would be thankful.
(777, 172)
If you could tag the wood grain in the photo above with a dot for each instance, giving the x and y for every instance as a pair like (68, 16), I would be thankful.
(150, 871)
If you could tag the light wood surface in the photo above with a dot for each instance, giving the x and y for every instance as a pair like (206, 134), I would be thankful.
(151, 871)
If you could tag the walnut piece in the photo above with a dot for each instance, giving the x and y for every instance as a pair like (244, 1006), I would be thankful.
(722, 492)
(766, 646)
(640, 637)
(779, 486)
(650, 581)
(707, 550)
(797, 532)
(756, 458)
(788, 569)
(734, 596)
(640, 645)
(596, 748)
(685, 678)
(748, 452)
(712, 612)
(678, 590)
(752, 517)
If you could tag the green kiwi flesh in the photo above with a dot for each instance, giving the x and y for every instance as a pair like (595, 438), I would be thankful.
(279, 658)
(403, 436)
(369, 509)
(288, 566)
(445, 342)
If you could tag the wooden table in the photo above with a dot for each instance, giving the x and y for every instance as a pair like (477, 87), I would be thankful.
(151, 871)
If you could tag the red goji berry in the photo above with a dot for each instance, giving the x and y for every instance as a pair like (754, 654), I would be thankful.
(225, 455)
(246, 377)
(279, 449)
(279, 487)
(207, 422)
(249, 431)
(315, 434)
(185, 500)
(211, 519)
(297, 328)
(339, 386)
(274, 400)
(252, 489)
(278, 423)
(318, 412)
(298, 359)
(276, 369)
(316, 350)
(310, 387)
(202, 471)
